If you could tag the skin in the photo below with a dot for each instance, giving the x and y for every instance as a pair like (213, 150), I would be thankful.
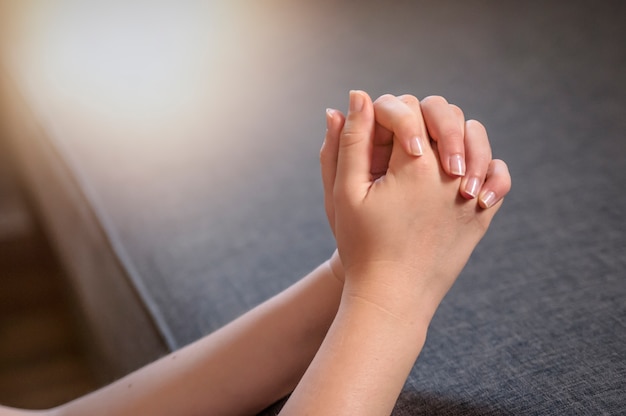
(405, 226)
(403, 237)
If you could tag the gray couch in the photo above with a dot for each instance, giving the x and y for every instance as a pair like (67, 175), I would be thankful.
(183, 195)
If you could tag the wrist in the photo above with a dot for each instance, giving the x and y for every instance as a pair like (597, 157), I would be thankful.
(399, 292)
(336, 267)
(385, 322)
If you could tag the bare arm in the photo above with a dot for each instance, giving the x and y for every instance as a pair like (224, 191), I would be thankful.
(403, 237)
(239, 369)
(261, 356)
(363, 363)
(8, 411)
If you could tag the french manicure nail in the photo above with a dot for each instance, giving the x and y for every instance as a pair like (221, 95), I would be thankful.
(472, 187)
(488, 199)
(357, 101)
(457, 165)
(415, 145)
(330, 114)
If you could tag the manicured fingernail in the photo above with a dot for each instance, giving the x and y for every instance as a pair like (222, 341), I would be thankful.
(472, 187)
(415, 145)
(330, 113)
(488, 199)
(457, 165)
(357, 101)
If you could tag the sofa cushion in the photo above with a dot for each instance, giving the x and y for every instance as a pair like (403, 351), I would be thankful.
(189, 187)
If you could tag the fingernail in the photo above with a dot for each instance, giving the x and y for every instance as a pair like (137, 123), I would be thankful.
(357, 101)
(472, 187)
(457, 165)
(415, 145)
(488, 199)
(330, 113)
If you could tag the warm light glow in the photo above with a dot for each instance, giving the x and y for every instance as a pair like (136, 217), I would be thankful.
(133, 68)
(152, 76)
(146, 61)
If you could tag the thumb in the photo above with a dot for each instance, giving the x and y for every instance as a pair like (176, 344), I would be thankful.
(355, 148)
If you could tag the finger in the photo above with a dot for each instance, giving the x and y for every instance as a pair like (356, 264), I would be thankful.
(497, 184)
(442, 122)
(414, 104)
(477, 156)
(460, 117)
(328, 160)
(355, 148)
(401, 160)
(400, 119)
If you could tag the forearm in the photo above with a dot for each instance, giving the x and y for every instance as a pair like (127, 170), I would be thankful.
(239, 369)
(8, 411)
(364, 361)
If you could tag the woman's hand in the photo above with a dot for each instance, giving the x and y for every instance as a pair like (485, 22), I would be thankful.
(400, 214)
(462, 147)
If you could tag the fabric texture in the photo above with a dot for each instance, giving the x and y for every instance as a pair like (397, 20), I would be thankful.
(215, 215)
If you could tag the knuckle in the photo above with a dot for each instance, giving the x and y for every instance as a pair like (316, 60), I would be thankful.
(434, 100)
(409, 99)
(457, 111)
(326, 154)
(351, 137)
(476, 127)
(384, 98)
(323, 156)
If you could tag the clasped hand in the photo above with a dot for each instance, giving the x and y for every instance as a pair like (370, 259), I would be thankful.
(410, 189)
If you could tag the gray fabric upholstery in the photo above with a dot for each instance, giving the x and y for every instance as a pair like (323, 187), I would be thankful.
(210, 220)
